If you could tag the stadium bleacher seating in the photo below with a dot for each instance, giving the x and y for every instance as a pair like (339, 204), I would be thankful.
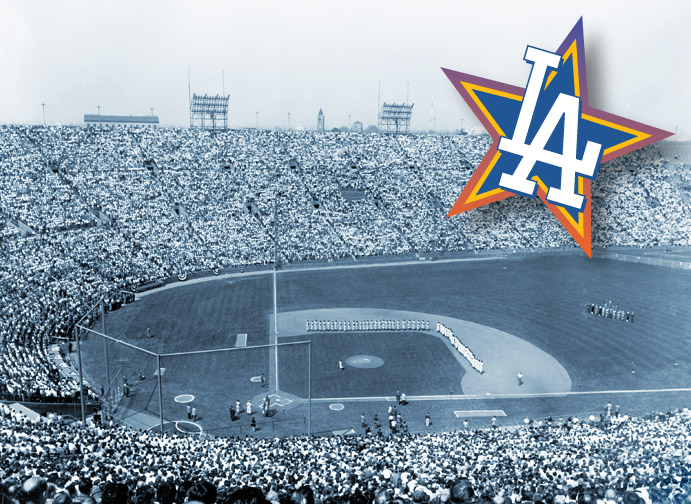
(615, 460)
(102, 221)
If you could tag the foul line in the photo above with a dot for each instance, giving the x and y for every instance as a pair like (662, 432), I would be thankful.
(475, 397)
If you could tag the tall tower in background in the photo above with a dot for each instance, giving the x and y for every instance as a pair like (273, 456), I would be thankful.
(320, 121)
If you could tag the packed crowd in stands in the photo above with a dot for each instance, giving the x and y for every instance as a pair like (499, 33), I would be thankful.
(618, 460)
(84, 217)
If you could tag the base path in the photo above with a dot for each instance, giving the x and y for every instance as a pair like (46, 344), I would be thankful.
(503, 354)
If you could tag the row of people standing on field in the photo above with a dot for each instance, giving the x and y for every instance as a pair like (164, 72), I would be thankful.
(366, 325)
(238, 409)
(466, 352)
(608, 311)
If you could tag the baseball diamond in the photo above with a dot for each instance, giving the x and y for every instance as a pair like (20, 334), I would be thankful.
(258, 288)
(571, 362)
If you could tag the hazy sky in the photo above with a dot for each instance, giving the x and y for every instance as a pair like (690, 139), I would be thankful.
(283, 56)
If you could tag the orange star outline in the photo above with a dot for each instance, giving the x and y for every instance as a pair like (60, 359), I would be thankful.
(571, 49)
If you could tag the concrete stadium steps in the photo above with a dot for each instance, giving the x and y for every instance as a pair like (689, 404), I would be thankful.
(20, 225)
(24, 411)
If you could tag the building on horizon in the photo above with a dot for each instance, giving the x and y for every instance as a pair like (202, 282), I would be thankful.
(356, 127)
(320, 121)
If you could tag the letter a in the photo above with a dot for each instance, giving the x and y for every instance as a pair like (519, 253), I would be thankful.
(565, 105)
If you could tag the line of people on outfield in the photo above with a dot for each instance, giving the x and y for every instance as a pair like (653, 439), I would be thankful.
(608, 311)
(366, 325)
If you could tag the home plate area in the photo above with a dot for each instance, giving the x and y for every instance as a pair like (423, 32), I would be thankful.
(277, 400)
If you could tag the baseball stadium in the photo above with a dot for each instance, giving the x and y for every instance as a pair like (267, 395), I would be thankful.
(313, 279)
(218, 285)
(525, 314)
(253, 301)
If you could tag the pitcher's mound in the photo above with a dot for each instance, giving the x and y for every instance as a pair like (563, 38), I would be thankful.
(365, 361)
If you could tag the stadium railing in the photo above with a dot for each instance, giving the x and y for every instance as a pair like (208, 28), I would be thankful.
(433, 256)
(651, 261)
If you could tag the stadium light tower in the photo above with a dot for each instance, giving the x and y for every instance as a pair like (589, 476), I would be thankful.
(257, 120)
(395, 118)
(288, 121)
(43, 105)
(209, 112)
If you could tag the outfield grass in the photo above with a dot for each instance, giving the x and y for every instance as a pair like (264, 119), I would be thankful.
(541, 300)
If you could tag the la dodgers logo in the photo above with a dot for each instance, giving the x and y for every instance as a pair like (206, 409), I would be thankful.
(547, 141)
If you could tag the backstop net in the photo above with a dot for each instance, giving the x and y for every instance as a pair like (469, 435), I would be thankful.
(260, 390)
(120, 375)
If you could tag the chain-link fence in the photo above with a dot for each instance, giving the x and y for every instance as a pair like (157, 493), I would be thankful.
(244, 390)
(122, 376)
